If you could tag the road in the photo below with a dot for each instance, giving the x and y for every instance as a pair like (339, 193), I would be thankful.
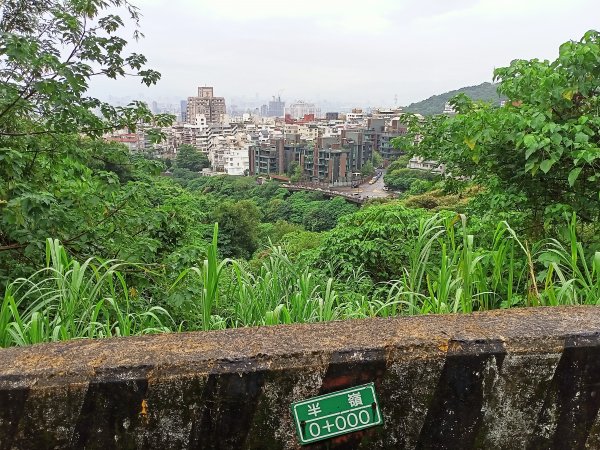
(374, 190)
(367, 190)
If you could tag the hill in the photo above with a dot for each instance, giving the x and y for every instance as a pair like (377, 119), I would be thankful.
(435, 104)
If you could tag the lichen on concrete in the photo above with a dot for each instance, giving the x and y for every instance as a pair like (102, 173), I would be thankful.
(523, 378)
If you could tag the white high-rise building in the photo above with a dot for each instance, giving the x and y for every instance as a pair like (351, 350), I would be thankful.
(236, 161)
(301, 108)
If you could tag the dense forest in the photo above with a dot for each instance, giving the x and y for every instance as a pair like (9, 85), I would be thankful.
(435, 104)
(95, 241)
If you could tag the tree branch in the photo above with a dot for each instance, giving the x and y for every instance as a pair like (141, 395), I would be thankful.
(108, 216)
(84, 131)
(8, 247)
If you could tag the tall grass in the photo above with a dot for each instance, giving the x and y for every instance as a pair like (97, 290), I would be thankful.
(571, 277)
(209, 274)
(67, 299)
(281, 293)
(448, 270)
(461, 276)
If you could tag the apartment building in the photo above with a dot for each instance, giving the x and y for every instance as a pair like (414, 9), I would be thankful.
(359, 151)
(385, 147)
(380, 132)
(199, 136)
(144, 140)
(355, 117)
(130, 140)
(236, 160)
(309, 132)
(386, 113)
(213, 108)
(418, 163)
(328, 159)
(300, 109)
(224, 145)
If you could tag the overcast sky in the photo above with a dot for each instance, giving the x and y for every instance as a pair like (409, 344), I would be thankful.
(364, 52)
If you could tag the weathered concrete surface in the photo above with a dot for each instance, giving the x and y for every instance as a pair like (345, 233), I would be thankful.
(519, 379)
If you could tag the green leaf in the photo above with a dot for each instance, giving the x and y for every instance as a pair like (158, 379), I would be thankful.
(556, 138)
(529, 166)
(546, 165)
(529, 152)
(531, 143)
(573, 174)
(529, 140)
(581, 138)
(470, 142)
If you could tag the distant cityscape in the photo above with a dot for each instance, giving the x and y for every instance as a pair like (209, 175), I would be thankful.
(276, 138)
(239, 105)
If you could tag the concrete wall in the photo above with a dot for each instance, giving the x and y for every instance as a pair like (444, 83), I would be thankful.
(520, 379)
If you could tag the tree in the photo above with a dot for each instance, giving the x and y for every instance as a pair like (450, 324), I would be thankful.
(375, 239)
(292, 168)
(367, 169)
(377, 159)
(50, 51)
(56, 178)
(238, 228)
(189, 157)
(403, 179)
(274, 210)
(273, 233)
(540, 153)
(325, 214)
(297, 174)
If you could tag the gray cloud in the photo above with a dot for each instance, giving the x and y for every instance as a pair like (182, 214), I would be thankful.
(361, 52)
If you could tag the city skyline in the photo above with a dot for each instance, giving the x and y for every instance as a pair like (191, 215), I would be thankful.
(382, 53)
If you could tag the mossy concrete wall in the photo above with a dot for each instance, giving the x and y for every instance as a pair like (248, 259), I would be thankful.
(519, 379)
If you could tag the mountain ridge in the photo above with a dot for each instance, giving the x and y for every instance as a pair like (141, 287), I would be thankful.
(435, 104)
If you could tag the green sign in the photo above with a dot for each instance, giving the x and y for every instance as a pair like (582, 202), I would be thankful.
(337, 413)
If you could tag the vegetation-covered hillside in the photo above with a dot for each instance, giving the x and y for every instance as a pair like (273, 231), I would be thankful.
(435, 104)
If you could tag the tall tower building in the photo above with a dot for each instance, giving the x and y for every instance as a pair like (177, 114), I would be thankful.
(183, 109)
(205, 103)
(276, 107)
